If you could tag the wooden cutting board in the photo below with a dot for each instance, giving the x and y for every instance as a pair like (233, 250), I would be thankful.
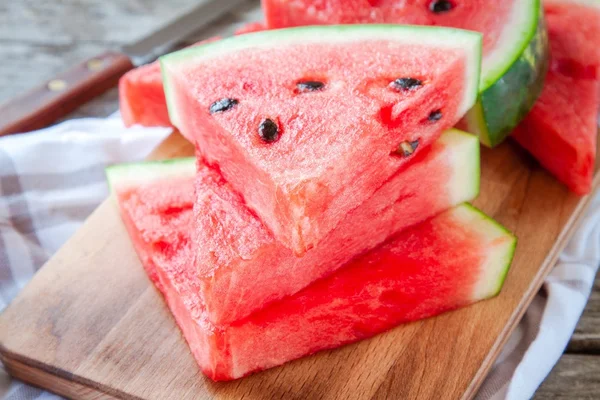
(90, 324)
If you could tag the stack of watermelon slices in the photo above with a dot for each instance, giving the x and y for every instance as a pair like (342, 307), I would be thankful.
(452, 260)
(326, 201)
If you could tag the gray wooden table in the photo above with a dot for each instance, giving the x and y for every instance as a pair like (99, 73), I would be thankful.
(41, 38)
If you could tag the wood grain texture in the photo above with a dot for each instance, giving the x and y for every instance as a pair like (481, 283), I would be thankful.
(91, 316)
(575, 377)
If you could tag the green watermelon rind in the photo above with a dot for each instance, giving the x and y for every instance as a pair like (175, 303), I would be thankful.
(136, 174)
(426, 35)
(509, 91)
(499, 260)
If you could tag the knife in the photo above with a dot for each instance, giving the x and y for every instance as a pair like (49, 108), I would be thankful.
(59, 96)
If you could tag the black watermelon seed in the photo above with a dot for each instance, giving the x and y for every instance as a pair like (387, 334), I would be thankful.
(407, 148)
(309, 86)
(222, 105)
(268, 131)
(435, 116)
(406, 84)
(440, 6)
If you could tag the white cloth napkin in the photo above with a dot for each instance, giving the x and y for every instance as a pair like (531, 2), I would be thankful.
(50, 181)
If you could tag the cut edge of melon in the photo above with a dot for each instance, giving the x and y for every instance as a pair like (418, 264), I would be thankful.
(123, 176)
(514, 40)
(464, 183)
(500, 243)
(470, 42)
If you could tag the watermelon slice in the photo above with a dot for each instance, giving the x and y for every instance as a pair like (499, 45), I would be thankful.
(561, 130)
(141, 95)
(242, 267)
(457, 258)
(308, 122)
(514, 46)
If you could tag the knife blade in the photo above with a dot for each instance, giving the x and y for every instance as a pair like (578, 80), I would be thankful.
(64, 93)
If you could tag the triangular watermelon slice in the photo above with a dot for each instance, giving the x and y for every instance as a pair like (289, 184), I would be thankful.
(457, 258)
(308, 122)
(561, 130)
(515, 47)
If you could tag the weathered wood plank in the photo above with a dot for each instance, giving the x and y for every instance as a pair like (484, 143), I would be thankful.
(41, 39)
(574, 377)
(586, 338)
(74, 21)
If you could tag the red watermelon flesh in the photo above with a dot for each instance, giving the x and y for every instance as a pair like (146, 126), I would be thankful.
(473, 15)
(450, 261)
(141, 94)
(158, 217)
(334, 146)
(243, 267)
(141, 97)
(561, 130)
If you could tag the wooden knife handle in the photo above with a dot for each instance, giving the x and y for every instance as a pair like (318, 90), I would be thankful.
(63, 94)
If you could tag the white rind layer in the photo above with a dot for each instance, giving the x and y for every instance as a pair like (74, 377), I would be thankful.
(500, 245)
(131, 175)
(465, 180)
(438, 37)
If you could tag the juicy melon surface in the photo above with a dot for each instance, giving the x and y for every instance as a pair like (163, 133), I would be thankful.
(242, 266)
(336, 146)
(561, 130)
(433, 267)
